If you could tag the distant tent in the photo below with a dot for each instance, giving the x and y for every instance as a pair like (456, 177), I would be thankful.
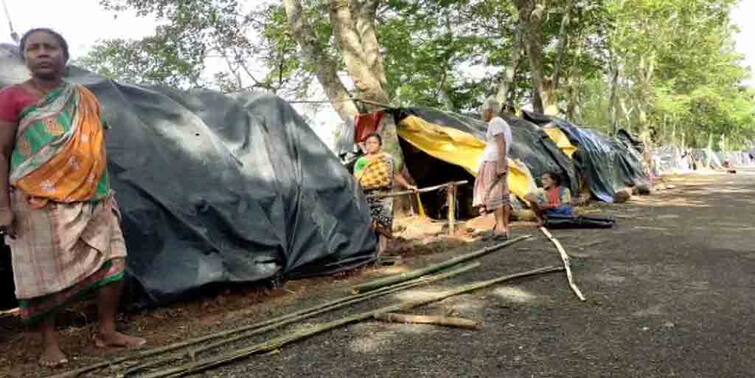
(218, 189)
(608, 164)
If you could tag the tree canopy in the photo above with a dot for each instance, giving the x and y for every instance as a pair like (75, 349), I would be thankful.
(665, 69)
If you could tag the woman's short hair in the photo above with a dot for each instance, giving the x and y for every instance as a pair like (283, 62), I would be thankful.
(56, 35)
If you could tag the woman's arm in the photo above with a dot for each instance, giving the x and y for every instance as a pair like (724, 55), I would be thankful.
(402, 181)
(566, 197)
(7, 142)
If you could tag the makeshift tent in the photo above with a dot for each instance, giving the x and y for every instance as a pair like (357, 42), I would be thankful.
(532, 151)
(217, 189)
(704, 158)
(561, 140)
(441, 146)
(607, 164)
(671, 160)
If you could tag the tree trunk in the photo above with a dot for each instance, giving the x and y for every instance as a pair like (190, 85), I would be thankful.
(355, 52)
(506, 84)
(363, 61)
(327, 73)
(563, 38)
(368, 33)
(530, 20)
(612, 103)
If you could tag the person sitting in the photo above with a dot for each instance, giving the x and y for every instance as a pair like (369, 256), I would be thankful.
(553, 200)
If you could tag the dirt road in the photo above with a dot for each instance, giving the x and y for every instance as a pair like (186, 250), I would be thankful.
(670, 292)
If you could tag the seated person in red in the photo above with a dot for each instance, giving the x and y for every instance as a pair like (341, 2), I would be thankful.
(552, 201)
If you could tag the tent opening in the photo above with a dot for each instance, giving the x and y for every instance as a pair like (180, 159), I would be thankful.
(428, 171)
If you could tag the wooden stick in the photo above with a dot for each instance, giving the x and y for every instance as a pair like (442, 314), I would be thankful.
(11, 312)
(446, 321)
(421, 190)
(262, 327)
(567, 264)
(390, 280)
(452, 210)
(280, 341)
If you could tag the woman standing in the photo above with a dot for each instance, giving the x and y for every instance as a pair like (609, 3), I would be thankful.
(57, 210)
(376, 173)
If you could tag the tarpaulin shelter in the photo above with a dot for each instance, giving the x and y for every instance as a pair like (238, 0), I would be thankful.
(671, 160)
(217, 189)
(532, 151)
(442, 146)
(607, 164)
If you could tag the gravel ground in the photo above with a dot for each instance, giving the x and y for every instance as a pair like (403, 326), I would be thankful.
(669, 293)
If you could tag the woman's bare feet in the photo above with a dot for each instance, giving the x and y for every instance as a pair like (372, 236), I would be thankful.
(52, 356)
(118, 340)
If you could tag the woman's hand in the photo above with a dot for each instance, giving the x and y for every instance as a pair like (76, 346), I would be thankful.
(413, 188)
(7, 222)
(501, 168)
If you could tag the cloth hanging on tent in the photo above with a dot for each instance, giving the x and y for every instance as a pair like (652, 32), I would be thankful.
(367, 124)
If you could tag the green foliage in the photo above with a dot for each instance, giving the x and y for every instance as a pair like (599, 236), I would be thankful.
(677, 71)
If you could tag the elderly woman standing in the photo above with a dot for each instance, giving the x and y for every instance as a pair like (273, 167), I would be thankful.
(57, 210)
(491, 191)
(376, 173)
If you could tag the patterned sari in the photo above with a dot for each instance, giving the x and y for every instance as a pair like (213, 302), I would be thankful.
(376, 176)
(68, 238)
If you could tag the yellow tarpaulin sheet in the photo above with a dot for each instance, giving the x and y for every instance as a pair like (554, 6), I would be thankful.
(561, 140)
(460, 148)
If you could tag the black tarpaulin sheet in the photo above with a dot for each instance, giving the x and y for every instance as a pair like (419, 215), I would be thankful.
(531, 145)
(608, 164)
(217, 189)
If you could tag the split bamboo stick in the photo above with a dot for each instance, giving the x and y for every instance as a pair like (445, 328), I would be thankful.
(316, 311)
(280, 341)
(376, 284)
(566, 261)
(264, 326)
(447, 321)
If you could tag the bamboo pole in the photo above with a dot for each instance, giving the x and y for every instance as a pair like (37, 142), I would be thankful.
(452, 209)
(378, 283)
(280, 341)
(264, 326)
(565, 260)
(446, 321)
(421, 190)
(353, 299)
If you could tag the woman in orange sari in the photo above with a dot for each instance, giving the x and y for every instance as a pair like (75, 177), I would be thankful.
(57, 211)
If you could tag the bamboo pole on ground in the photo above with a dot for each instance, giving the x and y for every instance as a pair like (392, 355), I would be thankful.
(375, 284)
(264, 326)
(446, 321)
(338, 304)
(567, 265)
(280, 341)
